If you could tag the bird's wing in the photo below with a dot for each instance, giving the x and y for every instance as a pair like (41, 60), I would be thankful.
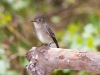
(52, 35)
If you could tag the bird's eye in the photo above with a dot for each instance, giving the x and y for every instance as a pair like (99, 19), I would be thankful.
(39, 19)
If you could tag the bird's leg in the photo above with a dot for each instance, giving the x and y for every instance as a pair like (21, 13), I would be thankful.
(40, 45)
(48, 44)
(43, 44)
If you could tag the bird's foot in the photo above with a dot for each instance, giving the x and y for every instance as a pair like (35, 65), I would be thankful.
(43, 44)
(48, 44)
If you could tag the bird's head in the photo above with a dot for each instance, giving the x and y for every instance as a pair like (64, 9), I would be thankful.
(39, 19)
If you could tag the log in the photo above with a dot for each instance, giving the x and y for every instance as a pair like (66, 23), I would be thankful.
(43, 60)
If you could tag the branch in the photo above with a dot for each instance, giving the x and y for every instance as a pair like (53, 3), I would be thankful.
(44, 59)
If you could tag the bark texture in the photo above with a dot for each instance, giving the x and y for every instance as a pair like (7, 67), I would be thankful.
(43, 60)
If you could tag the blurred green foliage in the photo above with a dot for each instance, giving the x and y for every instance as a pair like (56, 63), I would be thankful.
(76, 24)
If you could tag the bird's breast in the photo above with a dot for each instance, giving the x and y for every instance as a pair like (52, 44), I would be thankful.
(43, 35)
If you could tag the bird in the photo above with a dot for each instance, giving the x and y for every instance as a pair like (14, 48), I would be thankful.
(43, 31)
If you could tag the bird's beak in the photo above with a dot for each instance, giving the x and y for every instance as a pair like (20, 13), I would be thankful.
(33, 21)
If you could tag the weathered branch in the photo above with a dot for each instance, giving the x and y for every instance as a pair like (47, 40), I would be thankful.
(44, 59)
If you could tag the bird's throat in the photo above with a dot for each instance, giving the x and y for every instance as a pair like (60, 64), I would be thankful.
(36, 25)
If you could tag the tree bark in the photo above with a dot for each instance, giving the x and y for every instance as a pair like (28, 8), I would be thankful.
(44, 59)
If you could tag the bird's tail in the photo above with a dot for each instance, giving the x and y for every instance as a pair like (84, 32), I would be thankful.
(53, 45)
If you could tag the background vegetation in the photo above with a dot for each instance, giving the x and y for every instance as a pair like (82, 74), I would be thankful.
(76, 24)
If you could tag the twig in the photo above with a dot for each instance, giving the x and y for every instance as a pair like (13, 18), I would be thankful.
(44, 59)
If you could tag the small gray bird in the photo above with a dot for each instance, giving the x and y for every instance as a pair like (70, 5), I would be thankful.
(43, 31)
